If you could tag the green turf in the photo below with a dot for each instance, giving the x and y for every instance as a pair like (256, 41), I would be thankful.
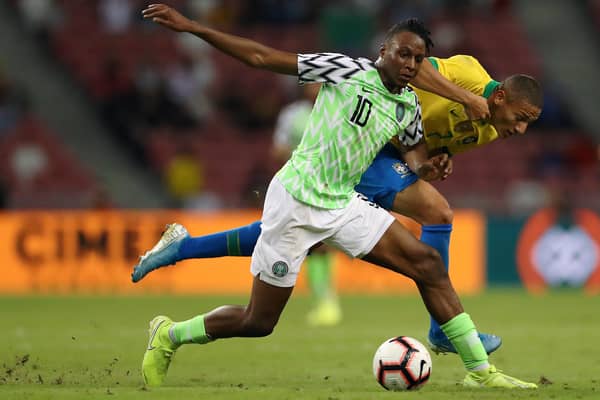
(92, 347)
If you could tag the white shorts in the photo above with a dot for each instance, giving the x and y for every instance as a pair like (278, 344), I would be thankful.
(290, 228)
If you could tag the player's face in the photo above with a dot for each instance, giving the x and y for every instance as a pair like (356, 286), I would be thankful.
(401, 58)
(512, 118)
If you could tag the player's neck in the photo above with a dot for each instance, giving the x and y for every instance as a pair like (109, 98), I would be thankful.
(387, 82)
(389, 85)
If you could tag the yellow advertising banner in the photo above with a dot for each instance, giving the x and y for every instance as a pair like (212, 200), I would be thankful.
(93, 252)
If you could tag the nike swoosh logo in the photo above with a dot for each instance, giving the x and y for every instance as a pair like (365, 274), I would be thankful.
(366, 91)
(423, 363)
(515, 382)
(150, 347)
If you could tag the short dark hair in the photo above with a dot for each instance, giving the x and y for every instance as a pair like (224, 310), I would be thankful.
(413, 25)
(523, 87)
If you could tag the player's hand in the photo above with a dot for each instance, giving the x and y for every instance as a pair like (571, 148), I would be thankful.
(167, 17)
(477, 108)
(437, 167)
(447, 168)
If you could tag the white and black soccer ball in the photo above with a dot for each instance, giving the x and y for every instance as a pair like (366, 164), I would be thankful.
(402, 363)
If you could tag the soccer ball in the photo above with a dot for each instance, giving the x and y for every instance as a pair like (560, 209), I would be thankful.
(402, 363)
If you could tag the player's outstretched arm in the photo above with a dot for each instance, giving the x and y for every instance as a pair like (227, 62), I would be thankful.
(247, 51)
(431, 80)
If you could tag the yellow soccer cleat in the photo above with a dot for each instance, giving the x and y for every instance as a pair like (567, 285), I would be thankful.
(327, 313)
(492, 378)
(159, 353)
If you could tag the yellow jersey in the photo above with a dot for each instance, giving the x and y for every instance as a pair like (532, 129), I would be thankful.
(446, 124)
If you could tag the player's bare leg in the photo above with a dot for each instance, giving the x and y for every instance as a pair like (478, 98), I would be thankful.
(401, 252)
(423, 203)
(256, 319)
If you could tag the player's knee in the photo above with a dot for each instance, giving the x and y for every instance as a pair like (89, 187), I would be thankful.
(259, 327)
(438, 213)
(430, 267)
(445, 216)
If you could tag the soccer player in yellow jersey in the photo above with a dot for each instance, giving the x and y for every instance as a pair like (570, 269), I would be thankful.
(474, 110)
(513, 104)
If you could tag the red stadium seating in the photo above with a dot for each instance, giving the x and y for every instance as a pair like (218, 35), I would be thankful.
(229, 154)
(62, 183)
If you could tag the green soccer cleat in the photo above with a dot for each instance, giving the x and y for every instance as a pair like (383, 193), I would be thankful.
(159, 353)
(327, 313)
(492, 378)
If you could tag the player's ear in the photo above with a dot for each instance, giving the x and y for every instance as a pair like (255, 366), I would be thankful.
(499, 97)
(381, 51)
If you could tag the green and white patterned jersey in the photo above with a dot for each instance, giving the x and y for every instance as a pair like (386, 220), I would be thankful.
(354, 116)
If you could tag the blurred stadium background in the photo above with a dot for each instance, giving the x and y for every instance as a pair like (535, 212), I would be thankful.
(100, 110)
(111, 127)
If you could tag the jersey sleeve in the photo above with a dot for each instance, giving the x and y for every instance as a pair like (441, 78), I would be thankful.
(464, 71)
(330, 68)
(413, 132)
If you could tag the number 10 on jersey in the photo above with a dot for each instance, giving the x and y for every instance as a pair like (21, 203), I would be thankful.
(362, 112)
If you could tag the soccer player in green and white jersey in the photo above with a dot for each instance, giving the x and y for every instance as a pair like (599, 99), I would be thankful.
(360, 107)
(463, 109)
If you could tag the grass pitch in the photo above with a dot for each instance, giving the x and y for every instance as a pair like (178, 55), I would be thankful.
(92, 347)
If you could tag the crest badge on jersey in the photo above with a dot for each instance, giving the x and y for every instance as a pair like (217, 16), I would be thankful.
(400, 111)
(401, 168)
(280, 269)
(469, 140)
(464, 126)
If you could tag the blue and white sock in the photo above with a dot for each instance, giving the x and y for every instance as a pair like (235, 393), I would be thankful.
(237, 242)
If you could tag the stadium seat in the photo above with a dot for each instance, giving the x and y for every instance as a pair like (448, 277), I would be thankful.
(62, 178)
(229, 151)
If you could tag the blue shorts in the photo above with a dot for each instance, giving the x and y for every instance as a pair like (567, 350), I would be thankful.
(387, 175)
